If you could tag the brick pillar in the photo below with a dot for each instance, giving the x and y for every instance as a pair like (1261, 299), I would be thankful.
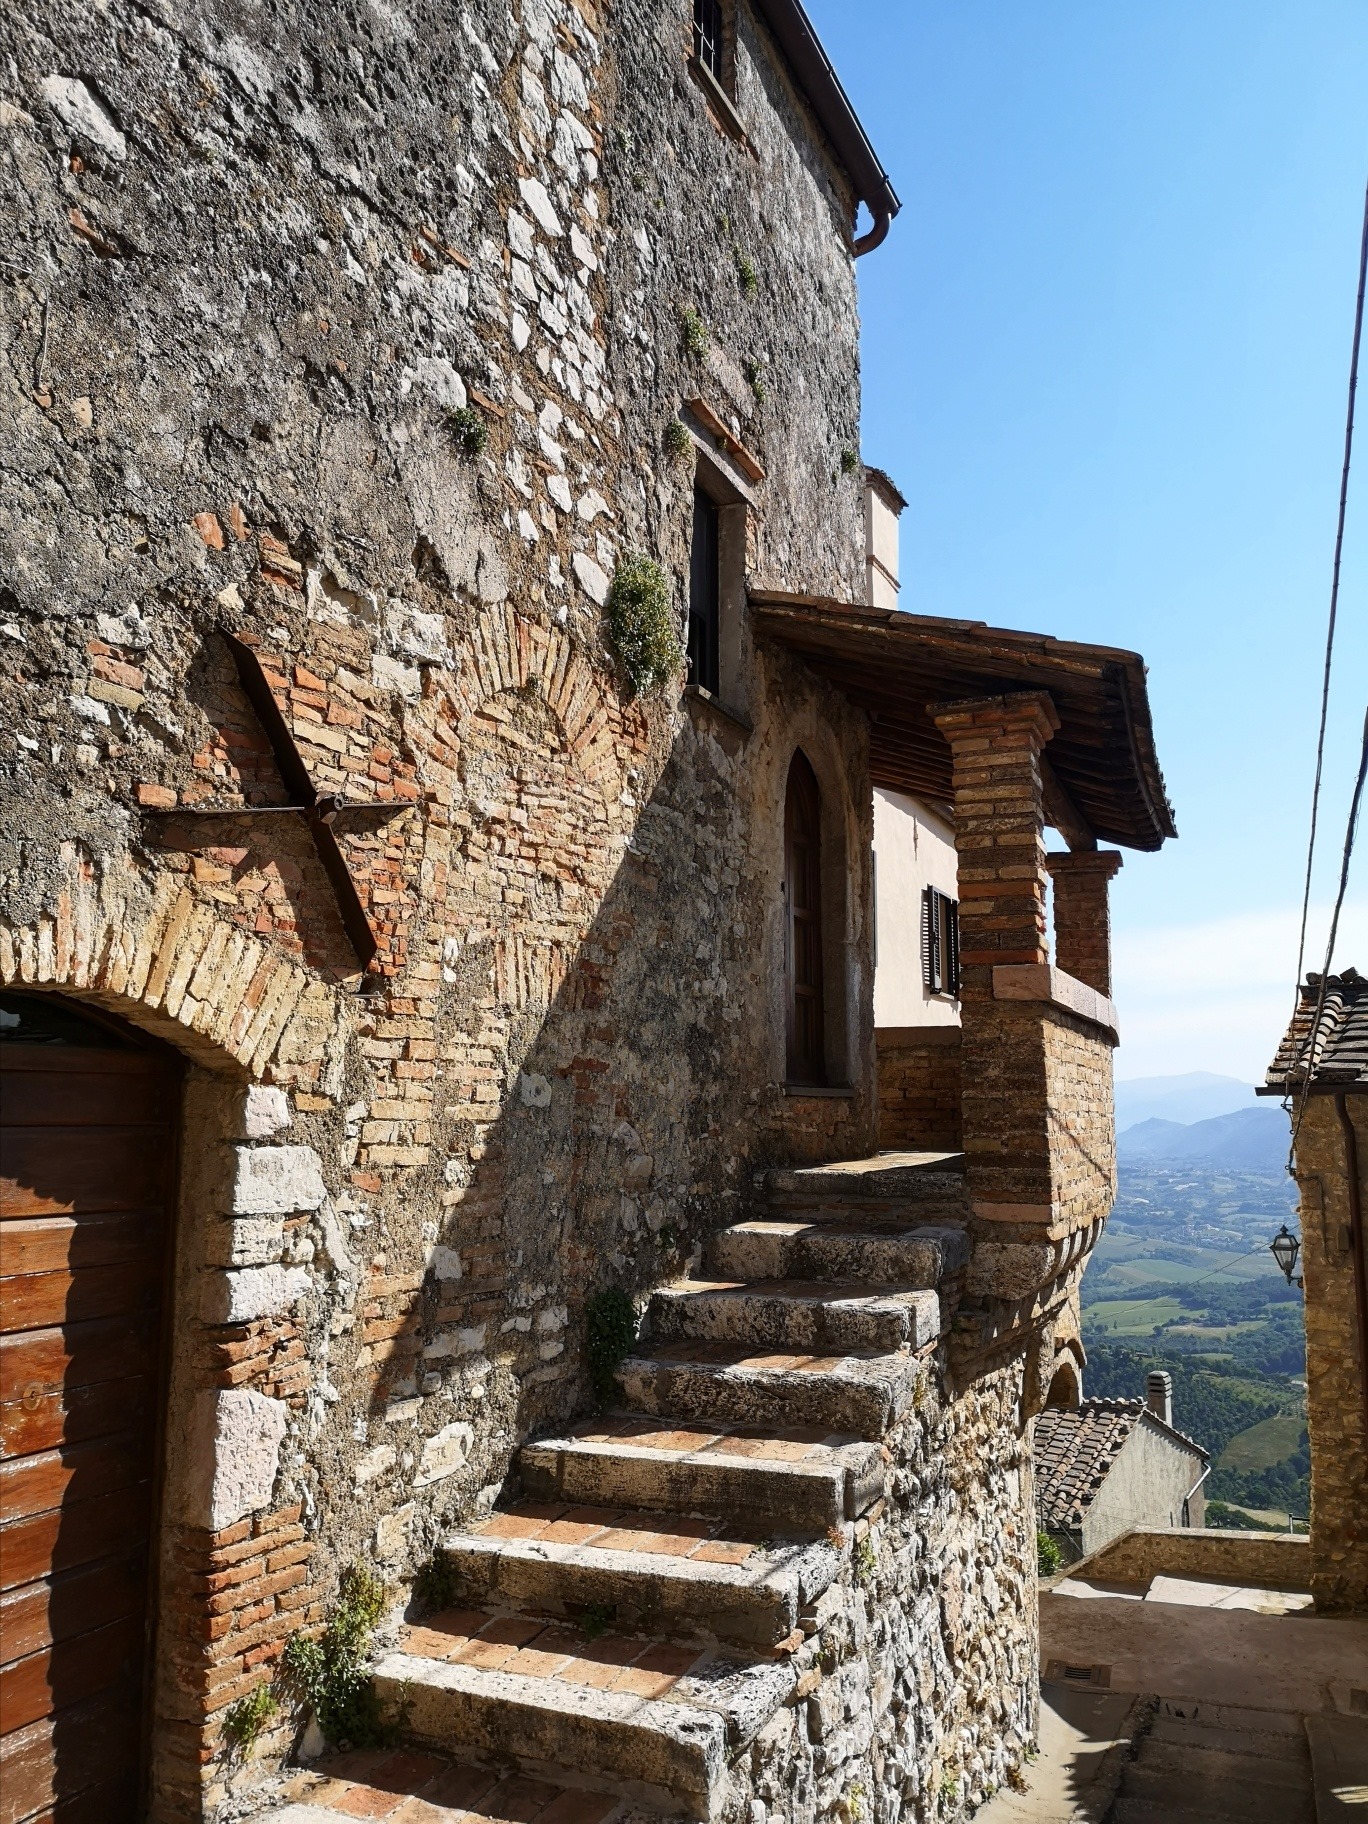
(999, 838)
(1082, 921)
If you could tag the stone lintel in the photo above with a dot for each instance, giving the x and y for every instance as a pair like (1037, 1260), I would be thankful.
(1053, 988)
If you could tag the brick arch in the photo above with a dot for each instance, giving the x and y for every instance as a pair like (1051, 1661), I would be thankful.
(508, 651)
(168, 961)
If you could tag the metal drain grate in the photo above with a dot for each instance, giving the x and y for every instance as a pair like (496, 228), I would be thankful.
(1066, 1672)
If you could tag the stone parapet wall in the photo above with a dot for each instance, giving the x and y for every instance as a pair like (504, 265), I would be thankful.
(1275, 1561)
(919, 1088)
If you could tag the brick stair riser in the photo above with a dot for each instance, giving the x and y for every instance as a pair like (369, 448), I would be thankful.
(785, 1500)
(775, 1251)
(773, 1321)
(680, 1602)
(944, 1206)
(702, 1391)
(670, 1757)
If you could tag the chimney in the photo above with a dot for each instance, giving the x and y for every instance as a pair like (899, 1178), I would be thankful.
(1159, 1394)
(883, 504)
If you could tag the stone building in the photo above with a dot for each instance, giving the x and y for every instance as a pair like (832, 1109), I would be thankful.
(1322, 1070)
(402, 957)
(1105, 1467)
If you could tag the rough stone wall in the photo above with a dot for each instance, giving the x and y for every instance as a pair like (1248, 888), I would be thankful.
(1279, 1561)
(917, 1695)
(1334, 1392)
(919, 1088)
(260, 265)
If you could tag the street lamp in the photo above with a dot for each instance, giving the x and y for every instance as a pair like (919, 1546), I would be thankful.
(1285, 1248)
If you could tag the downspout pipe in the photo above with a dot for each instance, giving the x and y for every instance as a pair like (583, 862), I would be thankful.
(816, 77)
(1356, 1242)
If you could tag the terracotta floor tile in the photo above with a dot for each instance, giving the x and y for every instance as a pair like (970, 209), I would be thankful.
(431, 1643)
(488, 1654)
(662, 1657)
(767, 1450)
(459, 1787)
(611, 1650)
(572, 1532)
(464, 1622)
(518, 1801)
(409, 1770)
(512, 1526)
(585, 1672)
(358, 1764)
(327, 1791)
(622, 1539)
(579, 1808)
(563, 1641)
(637, 1683)
(513, 1630)
(531, 1662)
(368, 1802)
(423, 1811)
(722, 1551)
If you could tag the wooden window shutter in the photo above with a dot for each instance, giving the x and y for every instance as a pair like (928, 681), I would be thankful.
(952, 969)
(931, 940)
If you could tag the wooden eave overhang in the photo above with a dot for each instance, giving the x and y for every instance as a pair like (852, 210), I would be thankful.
(895, 666)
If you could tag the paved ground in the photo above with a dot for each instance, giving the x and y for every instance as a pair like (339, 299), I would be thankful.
(1194, 1702)
(412, 1788)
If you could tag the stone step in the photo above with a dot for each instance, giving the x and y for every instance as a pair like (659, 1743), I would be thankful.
(862, 1393)
(687, 1576)
(920, 1257)
(784, 1482)
(1261, 1745)
(889, 1187)
(655, 1720)
(796, 1314)
(415, 1786)
(1226, 1767)
(1215, 1788)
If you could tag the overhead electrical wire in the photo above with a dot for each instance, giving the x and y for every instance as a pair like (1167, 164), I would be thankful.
(1324, 719)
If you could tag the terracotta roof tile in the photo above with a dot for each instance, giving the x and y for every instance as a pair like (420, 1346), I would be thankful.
(1337, 1052)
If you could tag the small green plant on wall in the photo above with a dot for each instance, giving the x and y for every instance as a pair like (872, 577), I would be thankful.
(333, 1671)
(467, 430)
(693, 331)
(746, 275)
(677, 441)
(610, 1324)
(246, 1719)
(849, 462)
(641, 624)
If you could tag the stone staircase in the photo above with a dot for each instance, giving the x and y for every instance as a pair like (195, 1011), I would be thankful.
(1202, 1763)
(663, 1586)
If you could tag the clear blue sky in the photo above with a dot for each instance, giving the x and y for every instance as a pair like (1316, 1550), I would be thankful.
(1106, 352)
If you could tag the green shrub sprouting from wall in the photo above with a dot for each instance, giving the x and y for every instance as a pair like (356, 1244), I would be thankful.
(747, 277)
(641, 623)
(468, 430)
(677, 441)
(693, 331)
(755, 378)
(246, 1719)
(610, 1324)
(1048, 1555)
(849, 462)
(333, 1671)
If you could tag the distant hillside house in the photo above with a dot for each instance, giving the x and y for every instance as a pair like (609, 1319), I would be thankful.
(1109, 1465)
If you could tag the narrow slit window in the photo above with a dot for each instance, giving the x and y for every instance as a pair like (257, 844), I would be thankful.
(940, 942)
(705, 593)
(708, 35)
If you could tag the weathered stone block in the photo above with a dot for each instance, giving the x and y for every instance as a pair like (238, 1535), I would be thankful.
(267, 1179)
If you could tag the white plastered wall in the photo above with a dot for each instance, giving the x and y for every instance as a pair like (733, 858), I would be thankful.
(913, 849)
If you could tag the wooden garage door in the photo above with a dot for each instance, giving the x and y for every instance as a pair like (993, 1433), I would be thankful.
(87, 1131)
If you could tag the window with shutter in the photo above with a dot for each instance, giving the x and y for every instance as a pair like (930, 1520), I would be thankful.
(940, 942)
(705, 595)
(708, 35)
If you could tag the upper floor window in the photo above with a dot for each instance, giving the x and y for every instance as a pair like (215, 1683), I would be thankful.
(705, 595)
(940, 942)
(708, 35)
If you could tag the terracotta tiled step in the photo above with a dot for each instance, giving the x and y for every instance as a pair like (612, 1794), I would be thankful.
(862, 1393)
(796, 1314)
(788, 1481)
(688, 1575)
(412, 1787)
(654, 1719)
(921, 1257)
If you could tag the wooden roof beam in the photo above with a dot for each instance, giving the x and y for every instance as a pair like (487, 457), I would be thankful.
(1061, 813)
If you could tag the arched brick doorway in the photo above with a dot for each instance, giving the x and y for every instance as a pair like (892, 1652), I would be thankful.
(88, 1122)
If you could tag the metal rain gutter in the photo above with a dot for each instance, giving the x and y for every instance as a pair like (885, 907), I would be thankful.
(829, 102)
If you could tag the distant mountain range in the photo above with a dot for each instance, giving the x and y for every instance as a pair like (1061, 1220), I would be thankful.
(1248, 1139)
(1195, 1097)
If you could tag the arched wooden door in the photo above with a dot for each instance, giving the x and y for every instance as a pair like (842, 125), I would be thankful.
(806, 1060)
(88, 1119)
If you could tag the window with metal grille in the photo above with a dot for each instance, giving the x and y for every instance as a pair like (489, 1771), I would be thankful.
(940, 942)
(708, 35)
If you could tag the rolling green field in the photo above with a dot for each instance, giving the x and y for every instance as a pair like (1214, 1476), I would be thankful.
(1183, 1280)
